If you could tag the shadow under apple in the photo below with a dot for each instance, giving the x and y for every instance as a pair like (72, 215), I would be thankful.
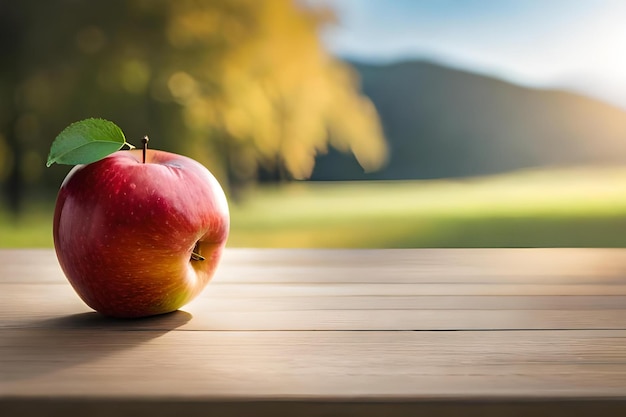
(44, 346)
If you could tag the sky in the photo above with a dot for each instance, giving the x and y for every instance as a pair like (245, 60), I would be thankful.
(573, 44)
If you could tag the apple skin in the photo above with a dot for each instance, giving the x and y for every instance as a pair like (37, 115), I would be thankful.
(124, 231)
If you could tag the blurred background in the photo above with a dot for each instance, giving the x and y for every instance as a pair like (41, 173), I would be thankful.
(345, 123)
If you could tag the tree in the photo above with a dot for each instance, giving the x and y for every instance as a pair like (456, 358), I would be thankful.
(244, 86)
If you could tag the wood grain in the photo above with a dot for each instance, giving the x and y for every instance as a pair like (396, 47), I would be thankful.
(321, 332)
(502, 266)
(186, 364)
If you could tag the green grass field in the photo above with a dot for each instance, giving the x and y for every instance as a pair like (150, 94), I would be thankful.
(582, 207)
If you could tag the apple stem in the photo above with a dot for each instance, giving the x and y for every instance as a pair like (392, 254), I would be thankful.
(145, 141)
(197, 257)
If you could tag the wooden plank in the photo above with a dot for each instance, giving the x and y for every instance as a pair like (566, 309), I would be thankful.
(381, 320)
(418, 289)
(30, 265)
(29, 305)
(521, 266)
(32, 297)
(561, 265)
(219, 288)
(340, 365)
(330, 332)
(407, 320)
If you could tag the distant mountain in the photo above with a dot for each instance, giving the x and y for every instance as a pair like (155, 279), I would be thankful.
(442, 122)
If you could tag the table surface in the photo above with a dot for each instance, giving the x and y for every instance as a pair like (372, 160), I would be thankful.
(329, 332)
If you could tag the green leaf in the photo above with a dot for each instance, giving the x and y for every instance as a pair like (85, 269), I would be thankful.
(86, 141)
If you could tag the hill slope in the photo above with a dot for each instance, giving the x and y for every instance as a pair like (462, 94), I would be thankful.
(441, 122)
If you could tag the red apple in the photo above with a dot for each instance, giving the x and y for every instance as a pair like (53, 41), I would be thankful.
(137, 239)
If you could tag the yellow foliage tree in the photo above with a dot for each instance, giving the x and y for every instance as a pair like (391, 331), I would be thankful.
(282, 98)
(243, 85)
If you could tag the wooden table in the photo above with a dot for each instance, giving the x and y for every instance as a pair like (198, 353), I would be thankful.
(474, 332)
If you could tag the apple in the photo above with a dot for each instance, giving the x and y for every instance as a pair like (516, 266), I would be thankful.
(140, 232)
